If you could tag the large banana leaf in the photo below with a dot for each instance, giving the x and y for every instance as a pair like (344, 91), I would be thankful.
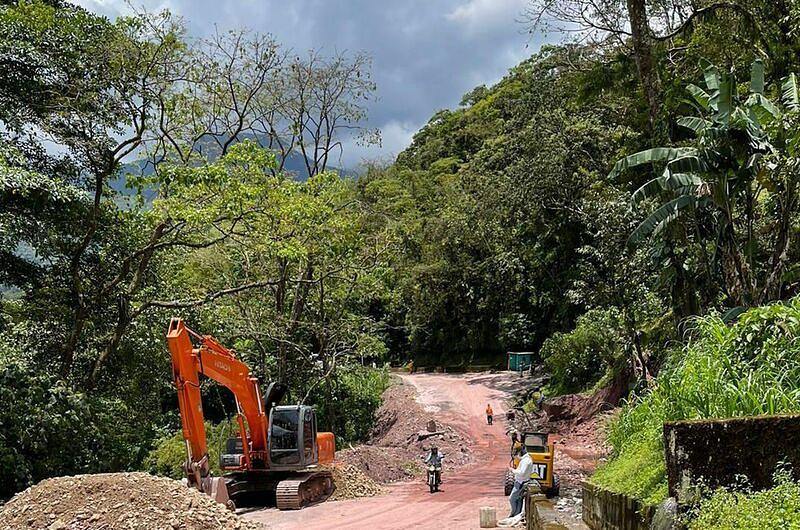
(764, 110)
(700, 96)
(791, 95)
(683, 183)
(657, 221)
(689, 163)
(648, 156)
(683, 179)
(711, 75)
(698, 125)
(651, 188)
(727, 86)
(743, 119)
(757, 77)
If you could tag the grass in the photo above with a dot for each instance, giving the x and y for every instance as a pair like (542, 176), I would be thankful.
(778, 507)
(749, 368)
(639, 472)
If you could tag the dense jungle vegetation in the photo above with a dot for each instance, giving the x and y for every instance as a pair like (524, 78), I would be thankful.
(616, 203)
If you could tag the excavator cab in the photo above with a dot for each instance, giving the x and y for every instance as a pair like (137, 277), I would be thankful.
(233, 456)
(292, 437)
(294, 442)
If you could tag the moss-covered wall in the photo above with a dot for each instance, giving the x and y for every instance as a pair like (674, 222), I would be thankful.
(606, 510)
(721, 452)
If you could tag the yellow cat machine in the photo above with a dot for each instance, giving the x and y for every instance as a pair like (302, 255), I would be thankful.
(543, 456)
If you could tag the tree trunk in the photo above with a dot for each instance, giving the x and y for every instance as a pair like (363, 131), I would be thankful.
(123, 321)
(643, 54)
(684, 299)
(68, 352)
(298, 306)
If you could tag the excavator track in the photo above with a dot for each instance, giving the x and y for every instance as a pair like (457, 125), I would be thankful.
(303, 489)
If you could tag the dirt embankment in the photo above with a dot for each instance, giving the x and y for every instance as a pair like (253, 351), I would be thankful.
(117, 501)
(401, 436)
(576, 423)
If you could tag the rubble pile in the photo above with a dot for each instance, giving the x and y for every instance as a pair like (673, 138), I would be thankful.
(401, 437)
(117, 501)
(352, 483)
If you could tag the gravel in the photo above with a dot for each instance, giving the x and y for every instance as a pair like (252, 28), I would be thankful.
(117, 501)
(352, 483)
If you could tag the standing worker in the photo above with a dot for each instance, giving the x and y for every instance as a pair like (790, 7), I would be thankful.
(539, 398)
(522, 475)
(489, 414)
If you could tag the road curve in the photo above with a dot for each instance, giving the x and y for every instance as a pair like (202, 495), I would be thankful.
(455, 399)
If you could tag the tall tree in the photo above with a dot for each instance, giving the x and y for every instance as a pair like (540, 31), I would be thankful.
(636, 25)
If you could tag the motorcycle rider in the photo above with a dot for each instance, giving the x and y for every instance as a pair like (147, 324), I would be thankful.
(435, 459)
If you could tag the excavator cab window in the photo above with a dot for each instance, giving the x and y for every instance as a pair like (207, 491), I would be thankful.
(232, 457)
(284, 447)
(309, 435)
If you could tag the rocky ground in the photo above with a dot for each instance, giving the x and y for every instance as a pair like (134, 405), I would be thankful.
(117, 501)
(351, 482)
(402, 435)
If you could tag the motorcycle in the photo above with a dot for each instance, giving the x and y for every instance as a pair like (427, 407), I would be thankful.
(434, 477)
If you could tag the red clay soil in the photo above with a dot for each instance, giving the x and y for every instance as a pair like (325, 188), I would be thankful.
(393, 452)
(455, 400)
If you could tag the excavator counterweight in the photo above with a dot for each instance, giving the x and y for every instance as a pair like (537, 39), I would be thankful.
(275, 457)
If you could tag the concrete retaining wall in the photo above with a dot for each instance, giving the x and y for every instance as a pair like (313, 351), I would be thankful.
(720, 452)
(605, 510)
(539, 512)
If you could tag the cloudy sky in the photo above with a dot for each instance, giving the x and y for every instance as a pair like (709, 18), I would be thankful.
(427, 53)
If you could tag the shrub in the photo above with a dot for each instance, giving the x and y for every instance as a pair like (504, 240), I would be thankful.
(48, 429)
(579, 359)
(347, 405)
(169, 453)
(778, 507)
(749, 368)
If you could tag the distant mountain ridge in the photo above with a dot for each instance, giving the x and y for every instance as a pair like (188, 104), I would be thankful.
(295, 166)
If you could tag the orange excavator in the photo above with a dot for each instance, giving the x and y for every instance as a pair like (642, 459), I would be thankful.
(275, 457)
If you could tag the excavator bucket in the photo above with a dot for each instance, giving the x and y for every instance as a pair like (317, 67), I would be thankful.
(216, 488)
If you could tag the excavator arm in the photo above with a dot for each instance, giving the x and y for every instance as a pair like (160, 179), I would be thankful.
(289, 475)
(215, 361)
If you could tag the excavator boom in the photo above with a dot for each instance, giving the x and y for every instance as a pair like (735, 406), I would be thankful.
(218, 363)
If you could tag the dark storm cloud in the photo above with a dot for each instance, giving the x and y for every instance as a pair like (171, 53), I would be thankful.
(427, 53)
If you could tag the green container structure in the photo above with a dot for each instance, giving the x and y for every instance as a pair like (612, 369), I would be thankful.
(519, 361)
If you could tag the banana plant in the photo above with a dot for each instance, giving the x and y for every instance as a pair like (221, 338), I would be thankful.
(719, 171)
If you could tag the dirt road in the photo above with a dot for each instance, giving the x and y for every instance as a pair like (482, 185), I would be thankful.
(456, 399)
